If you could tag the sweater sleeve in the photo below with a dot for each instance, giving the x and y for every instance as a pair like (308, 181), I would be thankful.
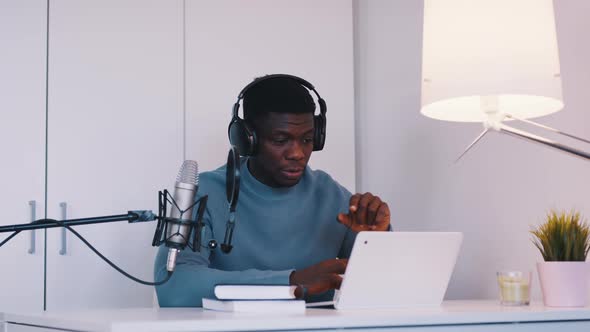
(193, 279)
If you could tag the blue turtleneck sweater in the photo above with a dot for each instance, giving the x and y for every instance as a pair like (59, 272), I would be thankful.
(277, 230)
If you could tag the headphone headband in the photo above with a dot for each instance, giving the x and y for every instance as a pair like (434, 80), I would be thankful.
(299, 80)
(244, 137)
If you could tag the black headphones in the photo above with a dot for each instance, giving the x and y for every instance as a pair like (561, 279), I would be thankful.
(244, 137)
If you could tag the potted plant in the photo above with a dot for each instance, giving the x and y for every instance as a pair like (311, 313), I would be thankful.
(564, 241)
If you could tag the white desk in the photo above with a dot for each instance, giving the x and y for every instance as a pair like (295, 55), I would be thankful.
(452, 316)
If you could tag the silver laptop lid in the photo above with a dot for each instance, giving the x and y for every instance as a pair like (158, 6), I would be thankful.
(398, 269)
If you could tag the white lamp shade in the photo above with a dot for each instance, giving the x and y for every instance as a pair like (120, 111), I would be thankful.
(477, 51)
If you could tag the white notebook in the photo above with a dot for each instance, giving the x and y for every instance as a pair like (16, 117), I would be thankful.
(255, 292)
(263, 306)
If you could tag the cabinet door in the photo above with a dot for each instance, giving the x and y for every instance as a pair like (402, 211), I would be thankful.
(22, 146)
(229, 43)
(115, 139)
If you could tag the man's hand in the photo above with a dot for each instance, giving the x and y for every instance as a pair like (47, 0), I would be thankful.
(366, 213)
(318, 278)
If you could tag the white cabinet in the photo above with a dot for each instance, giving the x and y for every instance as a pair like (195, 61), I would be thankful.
(22, 150)
(229, 43)
(115, 139)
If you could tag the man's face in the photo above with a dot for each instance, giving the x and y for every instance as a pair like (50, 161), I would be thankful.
(285, 143)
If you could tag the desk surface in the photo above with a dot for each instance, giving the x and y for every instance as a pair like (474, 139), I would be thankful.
(191, 319)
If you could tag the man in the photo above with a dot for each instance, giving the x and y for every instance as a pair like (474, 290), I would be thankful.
(294, 225)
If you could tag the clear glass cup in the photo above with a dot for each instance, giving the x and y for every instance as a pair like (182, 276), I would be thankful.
(515, 287)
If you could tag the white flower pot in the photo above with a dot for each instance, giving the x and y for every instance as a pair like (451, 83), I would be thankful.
(564, 284)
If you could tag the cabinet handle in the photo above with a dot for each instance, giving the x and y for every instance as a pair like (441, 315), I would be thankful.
(33, 205)
(64, 216)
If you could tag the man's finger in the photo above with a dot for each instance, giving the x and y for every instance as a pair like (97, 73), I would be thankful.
(353, 209)
(383, 215)
(324, 283)
(363, 208)
(342, 263)
(301, 292)
(345, 219)
(354, 202)
(335, 281)
(373, 208)
(337, 266)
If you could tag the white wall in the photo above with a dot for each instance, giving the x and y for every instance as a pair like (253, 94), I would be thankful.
(497, 191)
(229, 43)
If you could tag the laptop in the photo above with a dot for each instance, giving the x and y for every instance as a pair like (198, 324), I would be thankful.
(397, 270)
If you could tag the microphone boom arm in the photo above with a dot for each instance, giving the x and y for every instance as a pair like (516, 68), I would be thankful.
(131, 217)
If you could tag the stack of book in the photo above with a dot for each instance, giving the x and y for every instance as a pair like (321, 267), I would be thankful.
(255, 298)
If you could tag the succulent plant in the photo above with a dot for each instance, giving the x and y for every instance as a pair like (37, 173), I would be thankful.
(562, 237)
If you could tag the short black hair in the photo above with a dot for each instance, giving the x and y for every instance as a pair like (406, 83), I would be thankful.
(278, 94)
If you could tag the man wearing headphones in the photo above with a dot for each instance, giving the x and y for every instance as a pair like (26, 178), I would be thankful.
(296, 225)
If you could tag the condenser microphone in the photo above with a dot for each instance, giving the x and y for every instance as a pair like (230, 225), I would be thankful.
(180, 218)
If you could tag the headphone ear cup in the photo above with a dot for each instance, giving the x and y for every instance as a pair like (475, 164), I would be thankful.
(242, 137)
(319, 132)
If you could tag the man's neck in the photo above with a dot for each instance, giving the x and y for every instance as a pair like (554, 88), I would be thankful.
(256, 173)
